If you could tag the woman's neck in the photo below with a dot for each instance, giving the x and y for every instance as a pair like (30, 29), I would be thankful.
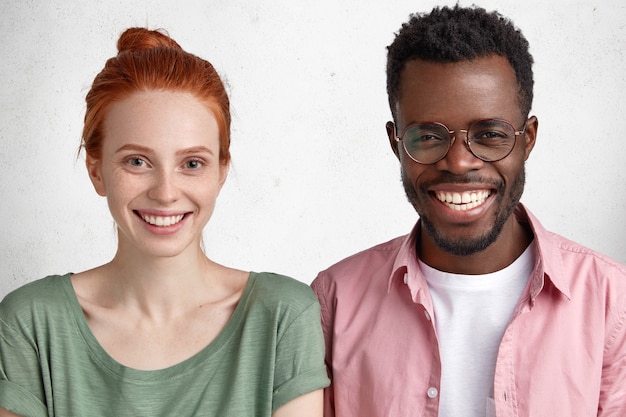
(165, 283)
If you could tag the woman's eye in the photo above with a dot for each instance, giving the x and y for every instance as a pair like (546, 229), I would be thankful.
(193, 164)
(136, 162)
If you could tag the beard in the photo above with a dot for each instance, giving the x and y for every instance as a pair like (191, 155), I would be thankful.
(469, 245)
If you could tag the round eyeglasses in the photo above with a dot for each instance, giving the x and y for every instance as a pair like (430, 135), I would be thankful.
(490, 140)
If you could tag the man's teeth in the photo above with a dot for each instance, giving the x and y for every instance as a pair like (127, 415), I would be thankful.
(162, 221)
(462, 201)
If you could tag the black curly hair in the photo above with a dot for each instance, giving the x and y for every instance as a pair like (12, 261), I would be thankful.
(459, 34)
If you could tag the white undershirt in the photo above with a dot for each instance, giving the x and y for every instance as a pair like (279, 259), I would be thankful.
(471, 315)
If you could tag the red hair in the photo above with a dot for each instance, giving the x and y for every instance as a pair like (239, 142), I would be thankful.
(151, 60)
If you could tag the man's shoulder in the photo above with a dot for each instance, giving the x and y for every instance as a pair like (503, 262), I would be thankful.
(561, 254)
(369, 262)
(576, 254)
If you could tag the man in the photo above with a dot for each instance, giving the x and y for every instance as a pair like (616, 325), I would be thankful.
(479, 311)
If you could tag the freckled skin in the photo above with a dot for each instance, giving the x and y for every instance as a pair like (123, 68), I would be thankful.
(486, 238)
(160, 157)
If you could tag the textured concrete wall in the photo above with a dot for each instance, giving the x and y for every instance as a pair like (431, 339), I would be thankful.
(313, 178)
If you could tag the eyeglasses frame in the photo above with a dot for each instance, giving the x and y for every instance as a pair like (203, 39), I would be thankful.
(452, 134)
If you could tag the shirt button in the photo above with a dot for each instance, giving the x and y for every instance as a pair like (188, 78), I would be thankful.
(427, 315)
(406, 277)
(432, 392)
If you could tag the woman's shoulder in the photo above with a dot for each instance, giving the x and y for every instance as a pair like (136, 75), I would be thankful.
(281, 289)
(35, 296)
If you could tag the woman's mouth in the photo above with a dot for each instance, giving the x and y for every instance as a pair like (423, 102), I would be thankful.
(161, 221)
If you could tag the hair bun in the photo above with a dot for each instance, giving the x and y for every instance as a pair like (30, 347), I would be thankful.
(136, 39)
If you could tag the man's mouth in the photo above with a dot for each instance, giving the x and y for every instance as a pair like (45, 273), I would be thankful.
(463, 201)
(162, 221)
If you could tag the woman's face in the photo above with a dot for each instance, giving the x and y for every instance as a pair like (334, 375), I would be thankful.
(160, 170)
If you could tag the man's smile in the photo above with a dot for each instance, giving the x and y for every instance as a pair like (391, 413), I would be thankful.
(463, 200)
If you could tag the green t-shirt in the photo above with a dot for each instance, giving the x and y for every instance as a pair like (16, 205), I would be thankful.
(270, 352)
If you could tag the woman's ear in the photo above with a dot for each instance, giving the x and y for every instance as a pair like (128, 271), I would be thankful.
(224, 168)
(94, 169)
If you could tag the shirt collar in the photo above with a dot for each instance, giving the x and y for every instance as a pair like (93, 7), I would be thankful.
(406, 268)
(548, 259)
(548, 262)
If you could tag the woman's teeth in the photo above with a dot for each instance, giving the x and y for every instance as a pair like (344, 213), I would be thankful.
(162, 221)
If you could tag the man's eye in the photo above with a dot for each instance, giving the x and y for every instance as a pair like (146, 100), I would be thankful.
(428, 137)
(492, 135)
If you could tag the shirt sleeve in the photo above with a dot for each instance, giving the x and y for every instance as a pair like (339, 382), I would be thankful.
(613, 385)
(21, 384)
(300, 358)
(321, 292)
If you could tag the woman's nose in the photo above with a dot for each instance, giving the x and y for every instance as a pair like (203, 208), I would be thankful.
(164, 188)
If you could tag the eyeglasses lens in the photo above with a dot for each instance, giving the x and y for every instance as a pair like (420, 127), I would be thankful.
(491, 140)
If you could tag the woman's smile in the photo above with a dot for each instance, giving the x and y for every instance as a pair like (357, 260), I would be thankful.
(160, 170)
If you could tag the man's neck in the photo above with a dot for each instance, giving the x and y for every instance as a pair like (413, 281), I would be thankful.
(510, 244)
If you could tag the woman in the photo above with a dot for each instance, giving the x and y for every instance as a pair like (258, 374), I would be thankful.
(160, 330)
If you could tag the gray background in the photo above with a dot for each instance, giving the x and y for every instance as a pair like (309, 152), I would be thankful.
(313, 178)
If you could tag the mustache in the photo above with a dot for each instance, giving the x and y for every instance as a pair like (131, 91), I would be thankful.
(448, 178)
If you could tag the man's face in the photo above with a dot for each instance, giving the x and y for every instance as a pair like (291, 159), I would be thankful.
(464, 203)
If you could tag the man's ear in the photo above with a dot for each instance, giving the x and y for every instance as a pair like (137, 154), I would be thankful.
(393, 142)
(94, 169)
(532, 124)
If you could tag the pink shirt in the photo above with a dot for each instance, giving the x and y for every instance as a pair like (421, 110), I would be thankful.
(563, 353)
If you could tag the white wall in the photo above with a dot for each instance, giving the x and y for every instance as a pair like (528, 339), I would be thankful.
(313, 178)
